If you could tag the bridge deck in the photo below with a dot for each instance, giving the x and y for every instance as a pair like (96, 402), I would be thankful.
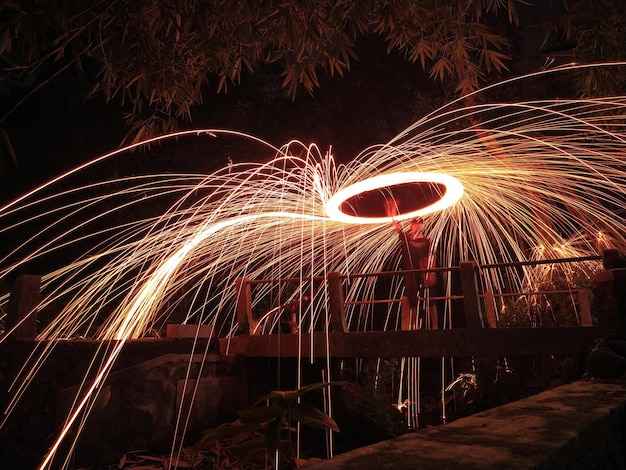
(459, 342)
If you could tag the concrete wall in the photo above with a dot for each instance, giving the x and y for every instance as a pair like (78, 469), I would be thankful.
(154, 381)
(577, 426)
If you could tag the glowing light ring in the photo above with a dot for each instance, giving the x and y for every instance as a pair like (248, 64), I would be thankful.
(453, 192)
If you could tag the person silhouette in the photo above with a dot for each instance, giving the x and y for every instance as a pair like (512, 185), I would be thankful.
(416, 255)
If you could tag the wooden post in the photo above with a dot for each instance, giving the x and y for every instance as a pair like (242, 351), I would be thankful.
(611, 259)
(336, 306)
(490, 310)
(244, 305)
(22, 311)
(471, 302)
(585, 308)
(610, 286)
(405, 314)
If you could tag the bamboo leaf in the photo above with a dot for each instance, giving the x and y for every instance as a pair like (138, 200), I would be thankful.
(440, 68)
(260, 414)
(272, 437)
(495, 59)
(6, 144)
(311, 416)
(133, 80)
(210, 436)
(5, 45)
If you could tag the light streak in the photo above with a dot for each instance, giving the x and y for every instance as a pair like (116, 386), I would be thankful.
(451, 194)
(538, 180)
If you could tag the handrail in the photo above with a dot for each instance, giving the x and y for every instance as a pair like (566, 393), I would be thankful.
(429, 270)
(543, 261)
(470, 295)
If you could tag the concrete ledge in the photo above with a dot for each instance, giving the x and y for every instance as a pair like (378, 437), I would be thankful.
(581, 425)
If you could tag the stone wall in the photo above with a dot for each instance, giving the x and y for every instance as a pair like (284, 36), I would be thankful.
(153, 384)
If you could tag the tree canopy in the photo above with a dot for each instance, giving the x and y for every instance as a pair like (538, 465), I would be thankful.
(159, 57)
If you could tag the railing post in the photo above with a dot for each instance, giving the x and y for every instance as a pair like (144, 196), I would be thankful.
(612, 259)
(405, 314)
(585, 308)
(490, 310)
(471, 301)
(336, 306)
(610, 286)
(244, 305)
(22, 307)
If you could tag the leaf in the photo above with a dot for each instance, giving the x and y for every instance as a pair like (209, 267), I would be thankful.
(494, 59)
(311, 416)
(272, 437)
(316, 386)
(103, 398)
(5, 46)
(6, 143)
(179, 464)
(147, 467)
(150, 458)
(291, 396)
(210, 436)
(423, 50)
(250, 445)
(276, 395)
(260, 414)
